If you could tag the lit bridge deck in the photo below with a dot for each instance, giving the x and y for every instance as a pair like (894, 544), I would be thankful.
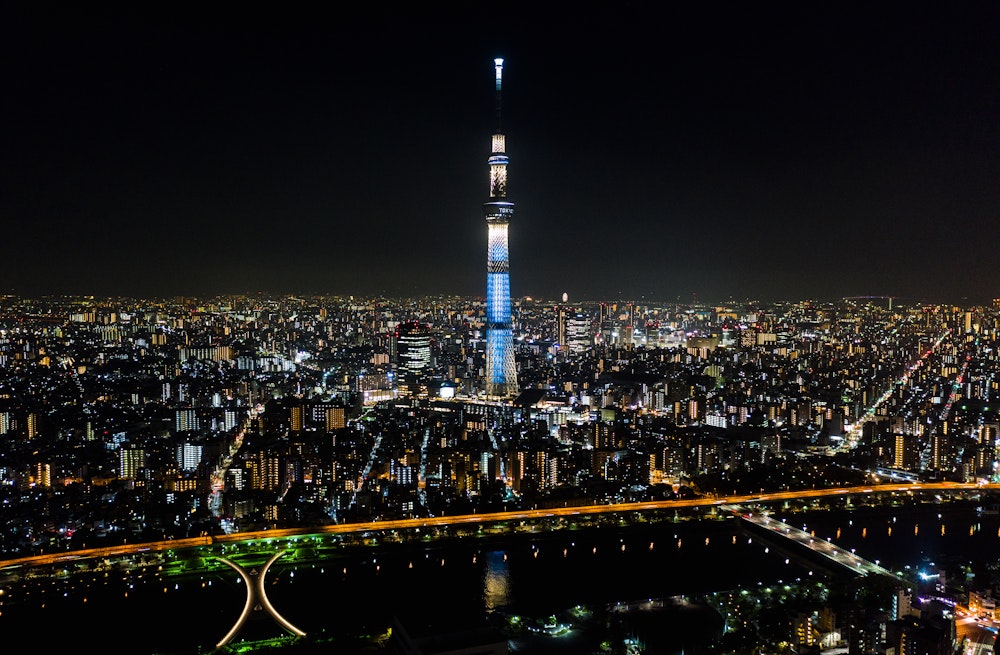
(844, 558)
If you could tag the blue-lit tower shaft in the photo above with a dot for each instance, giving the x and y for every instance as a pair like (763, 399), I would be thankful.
(501, 369)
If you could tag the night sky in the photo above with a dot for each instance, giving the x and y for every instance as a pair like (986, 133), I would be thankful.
(766, 150)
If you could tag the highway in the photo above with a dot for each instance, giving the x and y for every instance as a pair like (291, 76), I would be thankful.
(65, 557)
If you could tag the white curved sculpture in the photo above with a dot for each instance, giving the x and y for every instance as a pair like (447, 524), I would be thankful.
(255, 592)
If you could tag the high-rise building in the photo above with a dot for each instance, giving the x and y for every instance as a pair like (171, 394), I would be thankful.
(578, 333)
(131, 461)
(296, 418)
(229, 420)
(906, 454)
(185, 420)
(189, 456)
(43, 474)
(413, 347)
(501, 369)
(265, 471)
(335, 418)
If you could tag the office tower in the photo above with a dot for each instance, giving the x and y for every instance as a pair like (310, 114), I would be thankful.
(501, 370)
(578, 333)
(413, 347)
(561, 327)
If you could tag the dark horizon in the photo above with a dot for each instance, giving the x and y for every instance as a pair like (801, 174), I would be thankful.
(777, 152)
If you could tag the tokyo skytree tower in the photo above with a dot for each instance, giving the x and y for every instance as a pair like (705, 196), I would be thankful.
(501, 370)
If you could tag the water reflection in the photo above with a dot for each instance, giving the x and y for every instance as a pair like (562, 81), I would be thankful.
(907, 539)
(496, 581)
(477, 580)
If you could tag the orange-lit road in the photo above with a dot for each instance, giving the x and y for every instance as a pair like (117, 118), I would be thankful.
(464, 519)
(981, 633)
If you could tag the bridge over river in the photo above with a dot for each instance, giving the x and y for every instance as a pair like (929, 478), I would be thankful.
(775, 527)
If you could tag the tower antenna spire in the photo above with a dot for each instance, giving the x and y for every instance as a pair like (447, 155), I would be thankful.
(498, 62)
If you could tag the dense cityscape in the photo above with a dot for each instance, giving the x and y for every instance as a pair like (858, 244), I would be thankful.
(131, 421)
(249, 358)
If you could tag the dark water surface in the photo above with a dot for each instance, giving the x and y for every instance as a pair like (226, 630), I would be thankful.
(448, 586)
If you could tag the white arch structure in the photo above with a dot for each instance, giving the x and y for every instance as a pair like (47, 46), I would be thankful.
(255, 594)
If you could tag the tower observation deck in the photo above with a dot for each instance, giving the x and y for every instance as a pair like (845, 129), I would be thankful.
(501, 369)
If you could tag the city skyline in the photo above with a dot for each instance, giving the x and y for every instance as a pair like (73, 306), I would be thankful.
(724, 152)
(149, 447)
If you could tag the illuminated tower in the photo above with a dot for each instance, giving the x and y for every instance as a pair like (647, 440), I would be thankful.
(501, 371)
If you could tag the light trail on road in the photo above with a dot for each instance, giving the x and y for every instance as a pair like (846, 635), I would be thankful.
(954, 389)
(854, 432)
(218, 476)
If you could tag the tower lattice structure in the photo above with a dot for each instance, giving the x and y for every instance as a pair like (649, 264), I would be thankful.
(501, 369)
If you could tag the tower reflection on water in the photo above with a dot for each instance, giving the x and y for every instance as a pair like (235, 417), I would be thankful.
(496, 581)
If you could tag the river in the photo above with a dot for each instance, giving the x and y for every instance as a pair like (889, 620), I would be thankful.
(451, 585)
